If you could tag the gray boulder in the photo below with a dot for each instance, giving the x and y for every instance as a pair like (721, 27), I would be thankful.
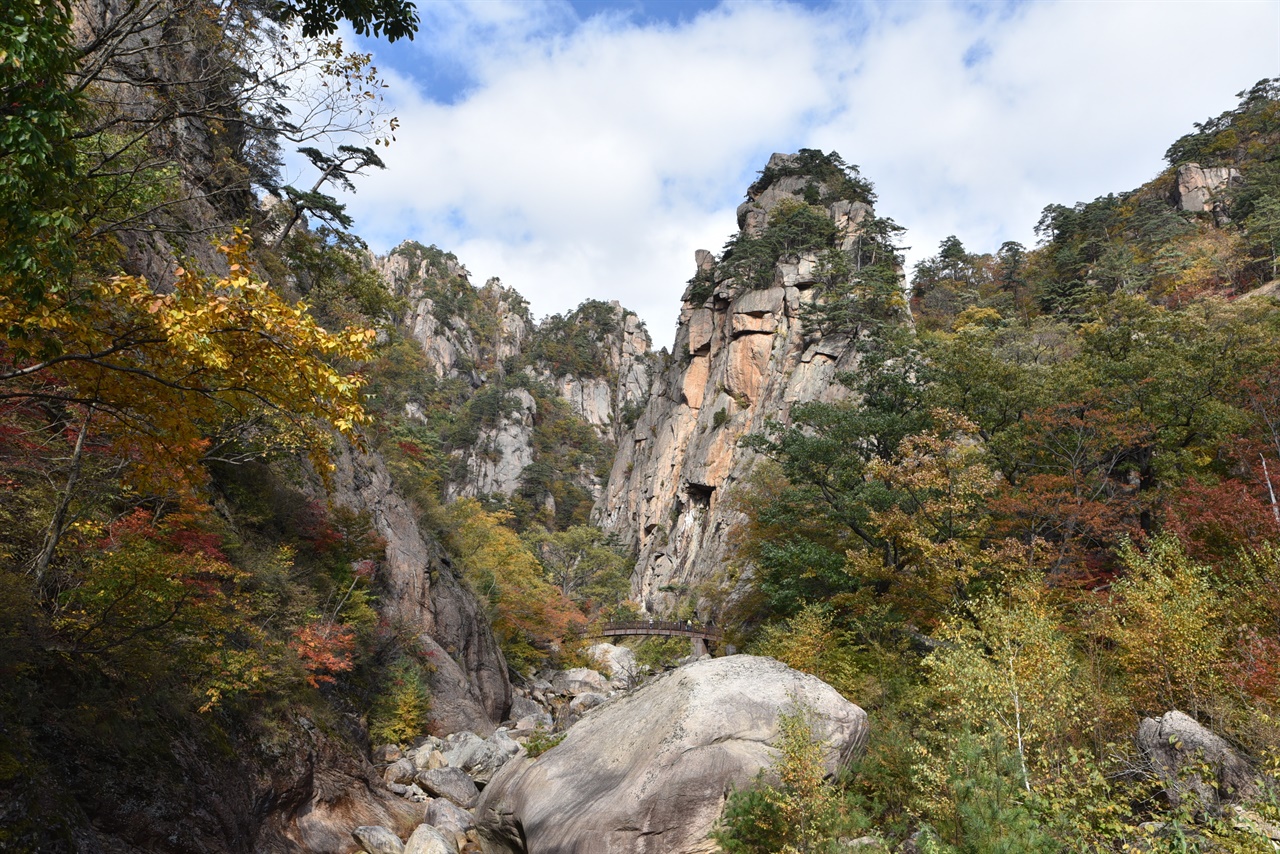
(523, 706)
(582, 702)
(451, 783)
(386, 754)
(579, 680)
(447, 817)
(479, 757)
(401, 771)
(378, 840)
(649, 771)
(618, 661)
(1174, 741)
(429, 840)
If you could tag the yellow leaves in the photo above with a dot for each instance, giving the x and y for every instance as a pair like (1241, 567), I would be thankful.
(1167, 626)
(213, 354)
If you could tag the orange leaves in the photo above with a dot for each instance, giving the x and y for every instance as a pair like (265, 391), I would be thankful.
(325, 648)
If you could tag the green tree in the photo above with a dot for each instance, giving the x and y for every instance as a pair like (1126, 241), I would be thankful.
(1263, 227)
(801, 814)
(390, 19)
(584, 564)
(37, 155)
(334, 169)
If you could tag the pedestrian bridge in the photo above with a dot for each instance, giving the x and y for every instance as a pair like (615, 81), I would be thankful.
(701, 637)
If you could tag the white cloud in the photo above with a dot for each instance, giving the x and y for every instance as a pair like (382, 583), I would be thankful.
(591, 159)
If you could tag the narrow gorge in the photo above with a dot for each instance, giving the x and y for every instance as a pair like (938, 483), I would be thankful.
(311, 549)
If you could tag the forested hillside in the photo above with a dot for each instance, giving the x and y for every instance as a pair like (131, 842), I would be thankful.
(1046, 512)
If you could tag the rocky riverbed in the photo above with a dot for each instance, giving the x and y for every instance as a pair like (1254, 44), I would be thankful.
(591, 761)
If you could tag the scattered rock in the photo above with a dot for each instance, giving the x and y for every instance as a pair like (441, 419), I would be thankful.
(528, 725)
(401, 771)
(579, 680)
(428, 840)
(410, 792)
(378, 840)
(522, 706)
(480, 758)
(649, 771)
(582, 702)
(428, 755)
(617, 661)
(451, 783)
(448, 817)
(386, 754)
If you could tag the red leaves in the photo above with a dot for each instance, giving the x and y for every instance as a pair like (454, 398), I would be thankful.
(1257, 672)
(413, 451)
(184, 532)
(325, 648)
(1081, 487)
(1215, 521)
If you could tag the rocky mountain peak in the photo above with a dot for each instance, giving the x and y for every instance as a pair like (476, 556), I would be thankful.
(525, 396)
(743, 356)
(809, 176)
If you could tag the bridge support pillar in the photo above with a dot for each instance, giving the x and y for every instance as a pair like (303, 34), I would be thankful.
(699, 646)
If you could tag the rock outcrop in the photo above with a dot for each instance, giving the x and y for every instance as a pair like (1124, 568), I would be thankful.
(443, 310)
(621, 381)
(495, 462)
(1197, 188)
(741, 358)
(649, 771)
(1181, 751)
(469, 687)
(484, 338)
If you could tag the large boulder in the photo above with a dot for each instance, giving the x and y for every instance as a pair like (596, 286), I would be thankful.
(451, 783)
(479, 757)
(376, 839)
(649, 771)
(447, 817)
(579, 680)
(1179, 748)
(618, 661)
(429, 840)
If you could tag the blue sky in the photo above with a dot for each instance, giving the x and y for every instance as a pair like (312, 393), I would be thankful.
(578, 148)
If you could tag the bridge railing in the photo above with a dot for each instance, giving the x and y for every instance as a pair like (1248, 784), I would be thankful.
(655, 627)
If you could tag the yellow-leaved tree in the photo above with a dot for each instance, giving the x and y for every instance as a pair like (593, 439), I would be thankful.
(531, 616)
(218, 367)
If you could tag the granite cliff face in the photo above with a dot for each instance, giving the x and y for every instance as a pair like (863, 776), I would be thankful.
(743, 357)
(595, 360)
(469, 686)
